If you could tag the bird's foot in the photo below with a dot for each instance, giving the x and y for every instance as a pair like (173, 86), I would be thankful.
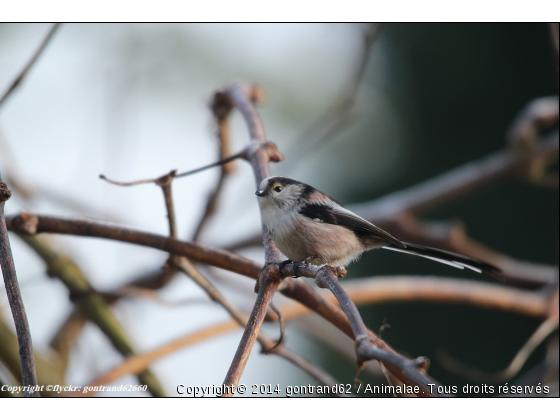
(305, 261)
(283, 264)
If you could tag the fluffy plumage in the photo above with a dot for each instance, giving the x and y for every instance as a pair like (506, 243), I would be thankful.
(304, 222)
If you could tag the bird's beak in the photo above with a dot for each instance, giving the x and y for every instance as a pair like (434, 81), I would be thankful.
(260, 193)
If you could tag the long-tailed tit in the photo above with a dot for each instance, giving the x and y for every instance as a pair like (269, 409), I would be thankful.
(308, 225)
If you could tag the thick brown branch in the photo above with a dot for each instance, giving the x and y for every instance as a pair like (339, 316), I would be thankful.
(31, 224)
(397, 287)
(269, 285)
(474, 293)
(29, 376)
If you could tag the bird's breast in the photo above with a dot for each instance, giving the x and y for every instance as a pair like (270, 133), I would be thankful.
(298, 237)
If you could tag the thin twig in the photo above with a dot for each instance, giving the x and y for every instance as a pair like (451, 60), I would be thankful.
(168, 196)
(32, 61)
(340, 111)
(453, 365)
(173, 173)
(222, 115)
(278, 313)
(28, 373)
(554, 35)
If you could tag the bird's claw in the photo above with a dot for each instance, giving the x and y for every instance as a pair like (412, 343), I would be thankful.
(305, 261)
(283, 264)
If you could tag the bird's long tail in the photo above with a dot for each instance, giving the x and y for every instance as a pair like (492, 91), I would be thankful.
(447, 257)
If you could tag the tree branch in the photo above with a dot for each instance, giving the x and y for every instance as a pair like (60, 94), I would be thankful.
(221, 115)
(530, 304)
(30, 224)
(184, 265)
(259, 153)
(368, 291)
(48, 371)
(91, 302)
(29, 376)
(456, 183)
(173, 173)
(367, 348)
(32, 61)
(390, 211)
(391, 287)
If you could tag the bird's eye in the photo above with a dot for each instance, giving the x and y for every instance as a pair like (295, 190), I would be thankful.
(277, 188)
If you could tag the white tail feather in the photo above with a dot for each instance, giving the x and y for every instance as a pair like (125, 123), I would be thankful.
(451, 263)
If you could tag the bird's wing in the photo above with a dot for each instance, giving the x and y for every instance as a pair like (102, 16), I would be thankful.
(342, 217)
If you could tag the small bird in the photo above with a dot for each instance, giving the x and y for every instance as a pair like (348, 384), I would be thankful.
(308, 226)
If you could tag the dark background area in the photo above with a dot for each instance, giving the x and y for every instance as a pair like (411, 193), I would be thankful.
(466, 83)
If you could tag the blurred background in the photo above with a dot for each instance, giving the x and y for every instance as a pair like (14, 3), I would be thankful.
(131, 101)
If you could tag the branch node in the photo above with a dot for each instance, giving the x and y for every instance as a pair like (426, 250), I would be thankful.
(257, 94)
(323, 275)
(25, 223)
(274, 154)
(421, 362)
(221, 105)
(166, 179)
(5, 193)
